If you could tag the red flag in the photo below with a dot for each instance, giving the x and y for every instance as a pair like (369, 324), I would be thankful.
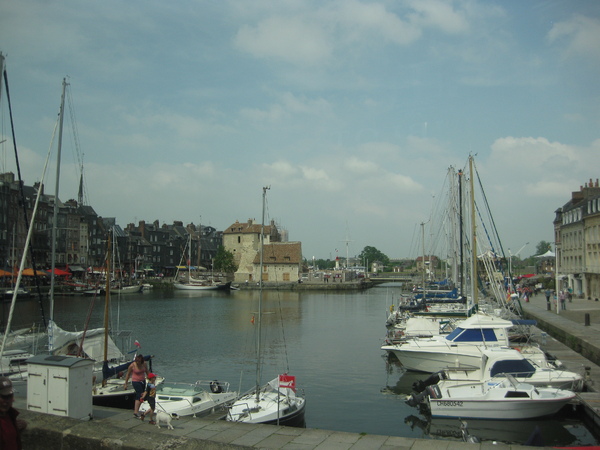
(137, 344)
(287, 381)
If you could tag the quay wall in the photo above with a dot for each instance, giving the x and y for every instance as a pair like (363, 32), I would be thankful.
(577, 338)
(46, 431)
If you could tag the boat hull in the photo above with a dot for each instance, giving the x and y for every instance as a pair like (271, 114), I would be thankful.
(430, 361)
(113, 395)
(271, 409)
(202, 287)
(495, 409)
(192, 400)
(504, 400)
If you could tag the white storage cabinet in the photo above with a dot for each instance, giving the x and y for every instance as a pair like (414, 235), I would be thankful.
(60, 385)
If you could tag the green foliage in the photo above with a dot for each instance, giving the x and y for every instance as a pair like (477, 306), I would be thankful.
(370, 254)
(324, 264)
(543, 247)
(223, 261)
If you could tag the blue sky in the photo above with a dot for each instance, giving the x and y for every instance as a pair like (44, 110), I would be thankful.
(352, 111)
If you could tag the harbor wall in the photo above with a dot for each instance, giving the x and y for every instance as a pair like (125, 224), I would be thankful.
(46, 431)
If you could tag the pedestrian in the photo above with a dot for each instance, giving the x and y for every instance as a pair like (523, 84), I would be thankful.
(137, 371)
(150, 395)
(548, 293)
(562, 298)
(10, 427)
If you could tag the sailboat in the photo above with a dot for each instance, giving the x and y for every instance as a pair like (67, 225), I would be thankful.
(192, 284)
(278, 402)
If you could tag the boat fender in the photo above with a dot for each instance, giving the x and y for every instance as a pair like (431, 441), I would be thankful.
(419, 386)
(216, 387)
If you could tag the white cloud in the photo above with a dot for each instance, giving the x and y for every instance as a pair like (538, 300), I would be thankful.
(295, 40)
(580, 36)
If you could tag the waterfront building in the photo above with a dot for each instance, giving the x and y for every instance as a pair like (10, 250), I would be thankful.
(577, 238)
(282, 261)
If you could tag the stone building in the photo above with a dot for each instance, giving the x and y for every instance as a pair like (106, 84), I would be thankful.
(281, 263)
(281, 260)
(577, 237)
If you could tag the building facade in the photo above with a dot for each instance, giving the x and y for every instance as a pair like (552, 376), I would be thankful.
(577, 238)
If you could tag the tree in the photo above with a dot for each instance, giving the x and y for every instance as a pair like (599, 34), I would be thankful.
(371, 254)
(223, 261)
(542, 247)
(324, 264)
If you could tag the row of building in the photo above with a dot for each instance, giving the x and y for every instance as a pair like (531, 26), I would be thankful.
(577, 240)
(146, 248)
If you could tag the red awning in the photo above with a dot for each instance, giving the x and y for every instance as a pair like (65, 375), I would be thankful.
(60, 272)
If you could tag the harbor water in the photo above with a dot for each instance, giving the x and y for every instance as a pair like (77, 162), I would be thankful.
(329, 340)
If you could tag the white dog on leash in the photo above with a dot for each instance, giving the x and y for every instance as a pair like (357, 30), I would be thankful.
(164, 417)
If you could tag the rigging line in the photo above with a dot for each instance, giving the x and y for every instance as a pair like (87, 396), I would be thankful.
(23, 257)
(22, 192)
(287, 363)
(77, 143)
(488, 208)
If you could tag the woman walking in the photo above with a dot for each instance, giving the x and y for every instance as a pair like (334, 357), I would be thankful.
(137, 371)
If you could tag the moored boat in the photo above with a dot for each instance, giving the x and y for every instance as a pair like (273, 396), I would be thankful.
(197, 399)
(506, 399)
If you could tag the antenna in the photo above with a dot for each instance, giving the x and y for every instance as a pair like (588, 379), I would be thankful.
(347, 241)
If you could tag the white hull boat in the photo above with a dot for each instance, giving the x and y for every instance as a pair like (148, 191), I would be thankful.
(496, 364)
(463, 347)
(131, 289)
(503, 400)
(197, 399)
(276, 404)
(200, 286)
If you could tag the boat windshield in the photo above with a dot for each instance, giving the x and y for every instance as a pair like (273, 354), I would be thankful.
(472, 335)
(517, 368)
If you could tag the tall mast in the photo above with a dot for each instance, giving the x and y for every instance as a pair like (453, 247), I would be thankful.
(460, 233)
(107, 302)
(56, 188)
(473, 237)
(260, 294)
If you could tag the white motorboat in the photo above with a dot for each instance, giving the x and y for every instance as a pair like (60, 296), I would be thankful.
(497, 363)
(196, 399)
(505, 399)
(461, 348)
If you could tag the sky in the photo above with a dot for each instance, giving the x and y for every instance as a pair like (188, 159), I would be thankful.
(351, 111)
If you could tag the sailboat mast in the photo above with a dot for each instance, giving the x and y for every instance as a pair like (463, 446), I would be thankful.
(260, 294)
(460, 233)
(107, 297)
(56, 188)
(423, 253)
(473, 237)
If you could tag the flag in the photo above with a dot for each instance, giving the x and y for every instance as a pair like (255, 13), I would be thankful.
(287, 381)
(137, 344)
(252, 320)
